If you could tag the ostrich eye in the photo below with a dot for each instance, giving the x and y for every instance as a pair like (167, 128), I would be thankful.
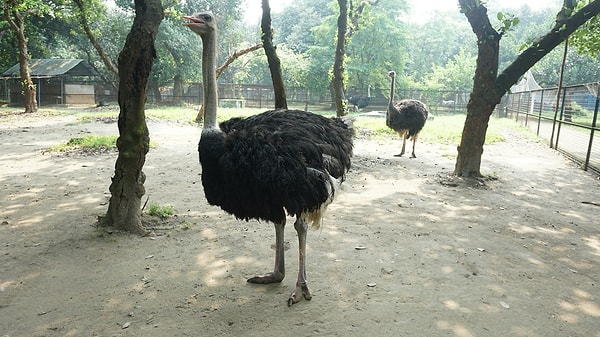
(206, 18)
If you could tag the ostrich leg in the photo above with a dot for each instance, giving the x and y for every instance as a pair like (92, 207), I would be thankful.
(402, 135)
(279, 271)
(414, 140)
(301, 287)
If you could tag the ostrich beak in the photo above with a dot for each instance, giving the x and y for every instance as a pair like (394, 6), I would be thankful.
(193, 21)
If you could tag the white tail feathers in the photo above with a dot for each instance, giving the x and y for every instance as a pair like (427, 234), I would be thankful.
(314, 218)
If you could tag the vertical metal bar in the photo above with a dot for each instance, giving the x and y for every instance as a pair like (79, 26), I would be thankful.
(540, 112)
(591, 143)
(518, 106)
(560, 120)
(528, 107)
(560, 84)
(39, 93)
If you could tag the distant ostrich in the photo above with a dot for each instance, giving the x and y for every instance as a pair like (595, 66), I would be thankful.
(359, 101)
(270, 164)
(407, 117)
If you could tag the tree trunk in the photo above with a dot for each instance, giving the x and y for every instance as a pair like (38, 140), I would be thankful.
(16, 21)
(29, 88)
(488, 87)
(338, 64)
(177, 89)
(135, 63)
(272, 58)
(155, 90)
(483, 98)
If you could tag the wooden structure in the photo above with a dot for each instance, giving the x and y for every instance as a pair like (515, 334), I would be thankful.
(59, 81)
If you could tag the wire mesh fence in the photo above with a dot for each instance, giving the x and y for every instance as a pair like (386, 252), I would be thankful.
(65, 91)
(566, 118)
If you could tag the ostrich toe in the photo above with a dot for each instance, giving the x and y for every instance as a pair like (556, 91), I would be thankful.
(301, 289)
(274, 277)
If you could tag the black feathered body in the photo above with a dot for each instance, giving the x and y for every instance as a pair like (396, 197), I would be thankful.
(407, 115)
(277, 162)
(359, 102)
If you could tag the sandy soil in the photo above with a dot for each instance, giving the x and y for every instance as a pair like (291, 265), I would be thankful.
(513, 256)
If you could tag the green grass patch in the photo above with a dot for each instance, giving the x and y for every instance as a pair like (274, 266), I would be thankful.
(87, 143)
(445, 129)
(160, 211)
(173, 113)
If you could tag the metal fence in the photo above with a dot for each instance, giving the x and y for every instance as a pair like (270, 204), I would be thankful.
(567, 119)
(71, 92)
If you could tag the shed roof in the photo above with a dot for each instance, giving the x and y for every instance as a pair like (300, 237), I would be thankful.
(53, 68)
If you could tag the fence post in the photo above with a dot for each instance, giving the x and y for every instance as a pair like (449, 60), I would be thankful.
(540, 112)
(591, 143)
(560, 119)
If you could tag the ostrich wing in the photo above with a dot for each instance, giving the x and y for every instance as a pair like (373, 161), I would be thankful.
(267, 163)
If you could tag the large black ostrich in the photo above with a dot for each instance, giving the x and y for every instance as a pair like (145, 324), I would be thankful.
(359, 101)
(407, 117)
(270, 164)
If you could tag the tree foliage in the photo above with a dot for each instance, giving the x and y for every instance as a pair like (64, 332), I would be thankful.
(587, 38)
(425, 55)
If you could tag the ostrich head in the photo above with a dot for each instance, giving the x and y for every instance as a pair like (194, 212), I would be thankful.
(205, 25)
(201, 23)
(392, 74)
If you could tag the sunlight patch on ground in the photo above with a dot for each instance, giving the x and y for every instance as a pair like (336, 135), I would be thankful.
(31, 221)
(523, 229)
(459, 330)
(594, 244)
(577, 266)
(574, 215)
(6, 284)
(453, 305)
(214, 270)
(536, 262)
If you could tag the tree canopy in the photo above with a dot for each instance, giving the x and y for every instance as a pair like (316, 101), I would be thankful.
(426, 55)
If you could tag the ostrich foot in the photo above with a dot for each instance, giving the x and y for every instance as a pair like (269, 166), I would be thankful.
(301, 289)
(413, 156)
(399, 155)
(274, 277)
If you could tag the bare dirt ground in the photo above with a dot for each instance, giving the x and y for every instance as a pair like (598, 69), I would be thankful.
(515, 256)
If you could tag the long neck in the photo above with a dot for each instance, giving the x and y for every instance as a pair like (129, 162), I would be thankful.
(392, 87)
(209, 79)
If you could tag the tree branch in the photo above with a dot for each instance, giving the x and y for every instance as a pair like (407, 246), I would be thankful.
(566, 23)
(235, 56)
(88, 32)
(355, 15)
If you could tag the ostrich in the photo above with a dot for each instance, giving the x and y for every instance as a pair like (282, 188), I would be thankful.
(359, 101)
(270, 164)
(407, 117)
